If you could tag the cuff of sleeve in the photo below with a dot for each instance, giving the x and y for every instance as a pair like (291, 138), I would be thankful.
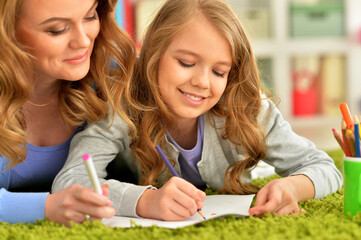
(323, 184)
(22, 207)
(128, 203)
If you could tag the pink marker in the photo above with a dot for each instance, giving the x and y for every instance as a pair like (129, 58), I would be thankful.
(88, 161)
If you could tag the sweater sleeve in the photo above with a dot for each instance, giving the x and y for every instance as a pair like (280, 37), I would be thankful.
(21, 207)
(292, 154)
(103, 140)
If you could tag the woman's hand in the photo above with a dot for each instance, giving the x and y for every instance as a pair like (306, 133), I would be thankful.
(175, 201)
(281, 196)
(73, 203)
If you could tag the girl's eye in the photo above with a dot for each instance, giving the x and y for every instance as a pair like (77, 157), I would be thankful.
(218, 74)
(56, 33)
(185, 64)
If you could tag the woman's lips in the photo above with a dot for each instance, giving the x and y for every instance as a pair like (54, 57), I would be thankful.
(78, 59)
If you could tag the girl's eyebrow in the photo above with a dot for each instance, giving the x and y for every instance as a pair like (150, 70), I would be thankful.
(65, 19)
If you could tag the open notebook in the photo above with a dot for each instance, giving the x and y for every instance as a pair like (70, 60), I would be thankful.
(214, 206)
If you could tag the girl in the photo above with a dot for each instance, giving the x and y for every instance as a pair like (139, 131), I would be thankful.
(47, 93)
(196, 93)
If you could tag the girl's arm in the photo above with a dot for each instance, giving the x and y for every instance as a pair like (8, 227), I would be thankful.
(292, 154)
(281, 196)
(103, 142)
(308, 172)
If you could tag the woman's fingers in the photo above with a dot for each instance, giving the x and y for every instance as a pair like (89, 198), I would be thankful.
(89, 196)
(74, 202)
(105, 189)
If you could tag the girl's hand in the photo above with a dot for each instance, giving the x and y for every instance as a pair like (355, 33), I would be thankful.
(175, 201)
(73, 203)
(281, 196)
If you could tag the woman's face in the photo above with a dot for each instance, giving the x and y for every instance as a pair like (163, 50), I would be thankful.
(60, 34)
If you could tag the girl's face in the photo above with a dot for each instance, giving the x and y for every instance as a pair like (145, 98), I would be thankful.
(193, 70)
(60, 34)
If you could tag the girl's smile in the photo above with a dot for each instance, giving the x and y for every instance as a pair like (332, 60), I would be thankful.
(192, 98)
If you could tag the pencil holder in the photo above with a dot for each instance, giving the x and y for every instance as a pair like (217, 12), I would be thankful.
(352, 185)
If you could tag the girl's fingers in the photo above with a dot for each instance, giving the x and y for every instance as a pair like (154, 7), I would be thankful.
(288, 209)
(187, 205)
(261, 197)
(270, 206)
(270, 200)
(189, 189)
(179, 212)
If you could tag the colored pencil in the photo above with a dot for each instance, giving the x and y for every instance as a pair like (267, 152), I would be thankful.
(350, 138)
(357, 140)
(338, 138)
(345, 143)
(173, 171)
(346, 115)
(359, 126)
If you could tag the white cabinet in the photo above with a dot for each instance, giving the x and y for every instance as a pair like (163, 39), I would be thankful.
(281, 49)
(268, 24)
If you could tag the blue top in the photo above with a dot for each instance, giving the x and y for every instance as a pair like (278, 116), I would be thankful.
(24, 188)
(188, 159)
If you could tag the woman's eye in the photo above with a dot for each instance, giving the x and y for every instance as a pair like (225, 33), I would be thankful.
(185, 64)
(218, 74)
(94, 17)
(56, 33)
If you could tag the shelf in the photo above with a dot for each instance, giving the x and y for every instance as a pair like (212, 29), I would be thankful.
(271, 21)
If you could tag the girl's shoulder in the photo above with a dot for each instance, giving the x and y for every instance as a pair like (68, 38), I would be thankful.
(111, 125)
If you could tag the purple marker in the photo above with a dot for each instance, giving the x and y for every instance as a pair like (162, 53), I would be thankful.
(173, 171)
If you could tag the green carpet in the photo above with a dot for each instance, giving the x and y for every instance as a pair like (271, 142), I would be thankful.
(324, 219)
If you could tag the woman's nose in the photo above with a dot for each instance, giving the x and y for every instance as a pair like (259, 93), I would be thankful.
(80, 39)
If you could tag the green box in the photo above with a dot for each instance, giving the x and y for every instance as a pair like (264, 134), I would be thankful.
(323, 19)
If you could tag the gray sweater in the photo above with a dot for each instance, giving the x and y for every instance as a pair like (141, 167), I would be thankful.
(289, 153)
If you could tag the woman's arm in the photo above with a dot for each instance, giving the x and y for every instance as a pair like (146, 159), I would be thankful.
(22, 207)
(103, 142)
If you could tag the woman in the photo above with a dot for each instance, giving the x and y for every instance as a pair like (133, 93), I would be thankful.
(54, 76)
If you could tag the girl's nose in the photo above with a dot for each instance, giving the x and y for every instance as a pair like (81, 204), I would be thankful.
(201, 79)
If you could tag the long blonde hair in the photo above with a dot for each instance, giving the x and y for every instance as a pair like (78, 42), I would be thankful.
(239, 105)
(78, 101)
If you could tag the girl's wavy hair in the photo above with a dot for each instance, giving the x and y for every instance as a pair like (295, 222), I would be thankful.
(79, 101)
(239, 105)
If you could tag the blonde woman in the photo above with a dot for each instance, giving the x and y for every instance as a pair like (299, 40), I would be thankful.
(54, 77)
(196, 93)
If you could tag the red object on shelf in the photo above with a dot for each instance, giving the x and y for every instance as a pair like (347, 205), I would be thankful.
(129, 17)
(305, 99)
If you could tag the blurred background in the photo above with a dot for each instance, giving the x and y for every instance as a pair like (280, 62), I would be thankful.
(308, 53)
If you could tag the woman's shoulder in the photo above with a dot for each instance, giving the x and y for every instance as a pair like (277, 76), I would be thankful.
(4, 175)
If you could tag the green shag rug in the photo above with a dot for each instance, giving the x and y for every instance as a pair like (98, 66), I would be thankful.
(324, 219)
